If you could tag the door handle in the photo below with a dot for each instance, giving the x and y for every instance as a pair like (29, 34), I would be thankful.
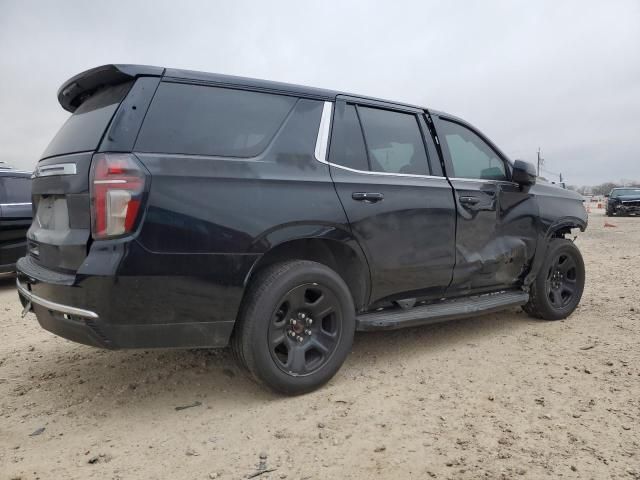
(469, 200)
(369, 197)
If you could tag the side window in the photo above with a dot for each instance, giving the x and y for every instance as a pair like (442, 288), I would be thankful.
(394, 141)
(347, 142)
(16, 190)
(202, 120)
(471, 156)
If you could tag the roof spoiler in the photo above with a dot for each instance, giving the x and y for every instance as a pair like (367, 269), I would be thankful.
(80, 87)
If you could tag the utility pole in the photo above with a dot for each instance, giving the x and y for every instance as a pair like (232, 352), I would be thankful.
(540, 161)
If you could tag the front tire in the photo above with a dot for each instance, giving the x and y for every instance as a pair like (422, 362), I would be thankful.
(557, 290)
(295, 327)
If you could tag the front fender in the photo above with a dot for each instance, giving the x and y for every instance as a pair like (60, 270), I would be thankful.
(560, 211)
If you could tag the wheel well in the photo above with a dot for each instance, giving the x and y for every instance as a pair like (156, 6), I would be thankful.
(336, 255)
(561, 232)
(563, 229)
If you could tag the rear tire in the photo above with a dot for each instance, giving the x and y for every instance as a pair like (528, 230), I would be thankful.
(295, 327)
(557, 290)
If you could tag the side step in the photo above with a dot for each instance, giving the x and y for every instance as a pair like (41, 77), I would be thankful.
(393, 319)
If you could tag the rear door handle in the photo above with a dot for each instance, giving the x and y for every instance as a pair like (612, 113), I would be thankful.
(469, 200)
(369, 197)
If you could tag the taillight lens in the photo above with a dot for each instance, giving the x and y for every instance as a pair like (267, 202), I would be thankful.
(117, 190)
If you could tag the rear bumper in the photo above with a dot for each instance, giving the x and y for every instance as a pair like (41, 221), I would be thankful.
(66, 321)
(27, 296)
(117, 312)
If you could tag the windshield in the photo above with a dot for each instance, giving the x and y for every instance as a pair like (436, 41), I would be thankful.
(625, 191)
(83, 130)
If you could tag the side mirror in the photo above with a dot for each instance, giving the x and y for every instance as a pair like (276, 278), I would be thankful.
(606, 195)
(524, 173)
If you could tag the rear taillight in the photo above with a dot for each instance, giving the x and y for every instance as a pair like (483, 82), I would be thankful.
(117, 191)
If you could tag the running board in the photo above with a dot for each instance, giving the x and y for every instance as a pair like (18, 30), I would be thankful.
(393, 319)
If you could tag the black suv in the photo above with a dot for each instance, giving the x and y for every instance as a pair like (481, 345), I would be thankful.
(623, 201)
(186, 209)
(15, 215)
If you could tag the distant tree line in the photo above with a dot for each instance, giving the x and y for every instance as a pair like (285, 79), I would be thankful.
(603, 188)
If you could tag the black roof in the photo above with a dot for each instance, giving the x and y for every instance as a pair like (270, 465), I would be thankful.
(75, 90)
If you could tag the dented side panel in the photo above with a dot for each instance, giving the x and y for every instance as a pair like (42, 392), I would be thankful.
(496, 237)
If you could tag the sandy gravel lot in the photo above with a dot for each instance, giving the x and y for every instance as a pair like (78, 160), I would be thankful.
(500, 396)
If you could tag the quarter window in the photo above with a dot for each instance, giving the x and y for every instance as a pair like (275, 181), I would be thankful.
(394, 141)
(203, 120)
(471, 156)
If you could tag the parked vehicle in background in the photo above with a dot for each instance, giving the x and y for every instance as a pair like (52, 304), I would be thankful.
(623, 201)
(15, 215)
(188, 209)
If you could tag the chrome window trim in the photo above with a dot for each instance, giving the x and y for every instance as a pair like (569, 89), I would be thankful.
(18, 204)
(322, 143)
(322, 140)
(58, 307)
(387, 174)
(55, 169)
(482, 180)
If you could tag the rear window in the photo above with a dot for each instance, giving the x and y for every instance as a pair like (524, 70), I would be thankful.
(202, 120)
(84, 128)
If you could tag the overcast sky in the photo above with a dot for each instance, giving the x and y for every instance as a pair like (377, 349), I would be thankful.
(563, 76)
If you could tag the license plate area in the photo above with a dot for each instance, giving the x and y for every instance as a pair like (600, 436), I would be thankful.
(52, 213)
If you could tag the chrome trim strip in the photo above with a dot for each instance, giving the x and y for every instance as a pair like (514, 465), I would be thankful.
(322, 141)
(482, 180)
(387, 174)
(55, 169)
(53, 305)
(14, 204)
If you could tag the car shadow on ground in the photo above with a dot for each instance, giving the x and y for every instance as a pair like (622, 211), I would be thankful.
(68, 374)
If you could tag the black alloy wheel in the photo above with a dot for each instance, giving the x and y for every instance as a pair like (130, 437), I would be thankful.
(556, 291)
(561, 280)
(296, 326)
(305, 329)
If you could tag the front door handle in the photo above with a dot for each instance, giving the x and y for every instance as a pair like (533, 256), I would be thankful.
(369, 197)
(469, 200)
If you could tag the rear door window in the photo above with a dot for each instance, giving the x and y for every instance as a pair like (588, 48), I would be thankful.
(83, 130)
(347, 142)
(394, 141)
(204, 120)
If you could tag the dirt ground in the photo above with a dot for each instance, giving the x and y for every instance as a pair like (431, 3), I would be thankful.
(500, 396)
